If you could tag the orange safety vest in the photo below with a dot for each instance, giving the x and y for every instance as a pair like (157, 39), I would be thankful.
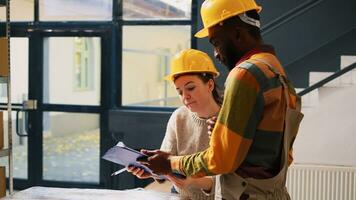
(233, 187)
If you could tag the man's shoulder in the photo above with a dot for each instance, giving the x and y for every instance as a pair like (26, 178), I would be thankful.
(246, 70)
(269, 57)
(259, 65)
(262, 60)
(252, 71)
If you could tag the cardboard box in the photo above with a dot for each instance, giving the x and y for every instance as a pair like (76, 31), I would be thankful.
(2, 182)
(4, 54)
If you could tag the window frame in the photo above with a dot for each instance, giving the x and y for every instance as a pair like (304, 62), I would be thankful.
(192, 22)
(111, 87)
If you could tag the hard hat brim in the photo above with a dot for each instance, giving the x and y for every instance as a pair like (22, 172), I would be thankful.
(171, 76)
(202, 33)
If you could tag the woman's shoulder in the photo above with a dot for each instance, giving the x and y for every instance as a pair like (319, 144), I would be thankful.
(184, 116)
(181, 111)
(181, 115)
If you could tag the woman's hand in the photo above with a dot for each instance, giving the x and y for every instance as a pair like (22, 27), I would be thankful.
(138, 172)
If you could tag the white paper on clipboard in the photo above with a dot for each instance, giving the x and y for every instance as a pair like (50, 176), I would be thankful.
(125, 156)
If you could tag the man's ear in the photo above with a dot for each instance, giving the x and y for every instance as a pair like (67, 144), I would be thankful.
(238, 33)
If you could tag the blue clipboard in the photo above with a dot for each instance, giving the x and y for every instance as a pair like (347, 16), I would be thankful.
(125, 156)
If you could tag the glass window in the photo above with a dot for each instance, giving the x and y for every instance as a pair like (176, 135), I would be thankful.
(72, 70)
(19, 72)
(146, 61)
(71, 150)
(21, 10)
(75, 10)
(156, 9)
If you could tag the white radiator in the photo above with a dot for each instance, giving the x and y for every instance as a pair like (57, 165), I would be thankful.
(313, 182)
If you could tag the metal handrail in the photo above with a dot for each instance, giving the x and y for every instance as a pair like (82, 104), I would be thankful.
(327, 79)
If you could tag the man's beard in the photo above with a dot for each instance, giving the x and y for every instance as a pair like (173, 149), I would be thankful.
(232, 56)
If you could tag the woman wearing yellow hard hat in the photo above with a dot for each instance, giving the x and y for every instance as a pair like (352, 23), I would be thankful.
(193, 75)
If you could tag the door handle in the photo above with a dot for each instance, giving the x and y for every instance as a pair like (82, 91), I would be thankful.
(18, 132)
(30, 104)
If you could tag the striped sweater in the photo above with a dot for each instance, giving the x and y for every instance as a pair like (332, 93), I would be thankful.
(247, 137)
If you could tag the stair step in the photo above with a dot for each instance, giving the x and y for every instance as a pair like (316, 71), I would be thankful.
(350, 77)
(315, 77)
(346, 60)
(342, 81)
(310, 99)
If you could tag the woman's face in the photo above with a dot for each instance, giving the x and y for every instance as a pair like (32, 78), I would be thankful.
(193, 92)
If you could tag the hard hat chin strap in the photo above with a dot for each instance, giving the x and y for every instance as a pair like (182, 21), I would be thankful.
(249, 20)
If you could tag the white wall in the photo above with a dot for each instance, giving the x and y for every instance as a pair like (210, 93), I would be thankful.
(327, 133)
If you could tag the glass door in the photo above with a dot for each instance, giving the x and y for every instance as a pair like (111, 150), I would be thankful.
(56, 98)
(71, 82)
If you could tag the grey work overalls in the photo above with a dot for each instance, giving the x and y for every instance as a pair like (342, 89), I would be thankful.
(231, 186)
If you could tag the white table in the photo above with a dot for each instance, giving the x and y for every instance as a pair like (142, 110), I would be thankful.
(51, 193)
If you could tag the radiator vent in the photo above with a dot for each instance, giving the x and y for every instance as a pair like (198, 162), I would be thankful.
(313, 182)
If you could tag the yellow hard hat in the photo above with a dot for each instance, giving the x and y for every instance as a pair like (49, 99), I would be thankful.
(191, 61)
(215, 11)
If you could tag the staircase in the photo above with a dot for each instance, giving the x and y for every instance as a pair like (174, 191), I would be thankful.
(328, 129)
(324, 165)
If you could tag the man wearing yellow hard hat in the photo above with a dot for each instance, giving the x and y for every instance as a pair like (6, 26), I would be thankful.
(251, 143)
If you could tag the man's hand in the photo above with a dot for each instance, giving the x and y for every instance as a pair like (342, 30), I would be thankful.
(211, 123)
(158, 161)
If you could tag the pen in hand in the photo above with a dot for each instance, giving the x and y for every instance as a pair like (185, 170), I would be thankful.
(119, 171)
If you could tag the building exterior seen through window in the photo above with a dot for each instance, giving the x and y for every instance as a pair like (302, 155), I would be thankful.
(79, 60)
(147, 51)
(75, 10)
(83, 68)
(21, 10)
(70, 147)
(72, 73)
(152, 45)
(156, 9)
